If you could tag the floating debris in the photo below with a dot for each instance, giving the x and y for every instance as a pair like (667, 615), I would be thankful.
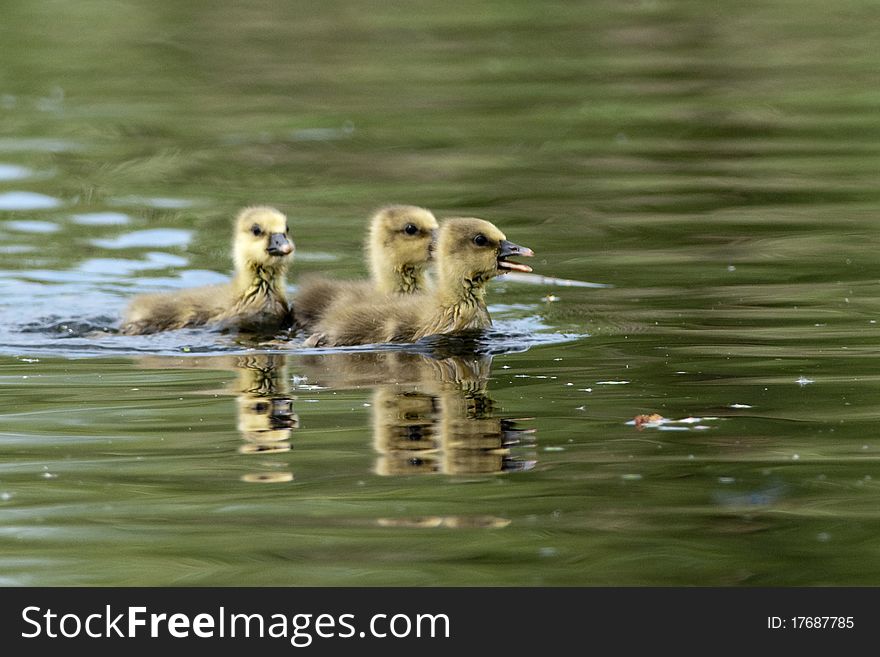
(804, 381)
(268, 477)
(657, 421)
(642, 420)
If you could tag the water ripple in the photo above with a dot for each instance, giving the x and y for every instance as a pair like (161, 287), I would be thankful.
(31, 226)
(101, 219)
(161, 203)
(36, 144)
(155, 237)
(14, 172)
(27, 201)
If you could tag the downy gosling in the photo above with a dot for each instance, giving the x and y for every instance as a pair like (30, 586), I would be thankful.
(469, 253)
(254, 301)
(399, 244)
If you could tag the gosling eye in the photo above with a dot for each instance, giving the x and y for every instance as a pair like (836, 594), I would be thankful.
(286, 229)
(261, 407)
(410, 229)
(480, 240)
(256, 230)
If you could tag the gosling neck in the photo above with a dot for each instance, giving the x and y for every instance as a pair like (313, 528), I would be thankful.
(467, 290)
(459, 305)
(402, 279)
(261, 281)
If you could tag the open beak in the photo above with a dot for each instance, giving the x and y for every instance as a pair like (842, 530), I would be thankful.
(509, 249)
(279, 245)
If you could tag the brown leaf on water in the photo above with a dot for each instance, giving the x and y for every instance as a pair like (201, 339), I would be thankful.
(641, 420)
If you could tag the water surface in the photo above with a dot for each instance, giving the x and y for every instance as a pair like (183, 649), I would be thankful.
(713, 167)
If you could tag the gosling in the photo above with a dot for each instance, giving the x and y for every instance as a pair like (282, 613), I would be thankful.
(254, 301)
(399, 243)
(470, 252)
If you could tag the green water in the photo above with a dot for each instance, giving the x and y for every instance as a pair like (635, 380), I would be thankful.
(714, 164)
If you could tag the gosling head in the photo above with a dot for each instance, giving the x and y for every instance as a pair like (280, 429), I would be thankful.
(261, 239)
(474, 250)
(400, 244)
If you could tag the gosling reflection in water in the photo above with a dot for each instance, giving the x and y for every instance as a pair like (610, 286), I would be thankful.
(265, 417)
(265, 407)
(406, 432)
(430, 415)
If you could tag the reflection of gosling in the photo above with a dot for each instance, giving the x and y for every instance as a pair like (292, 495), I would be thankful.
(474, 439)
(470, 252)
(265, 423)
(255, 299)
(431, 429)
(398, 250)
(405, 431)
(439, 419)
(265, 408)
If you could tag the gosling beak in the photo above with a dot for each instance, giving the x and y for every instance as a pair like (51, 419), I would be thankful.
(279, 245)
(508, 249)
